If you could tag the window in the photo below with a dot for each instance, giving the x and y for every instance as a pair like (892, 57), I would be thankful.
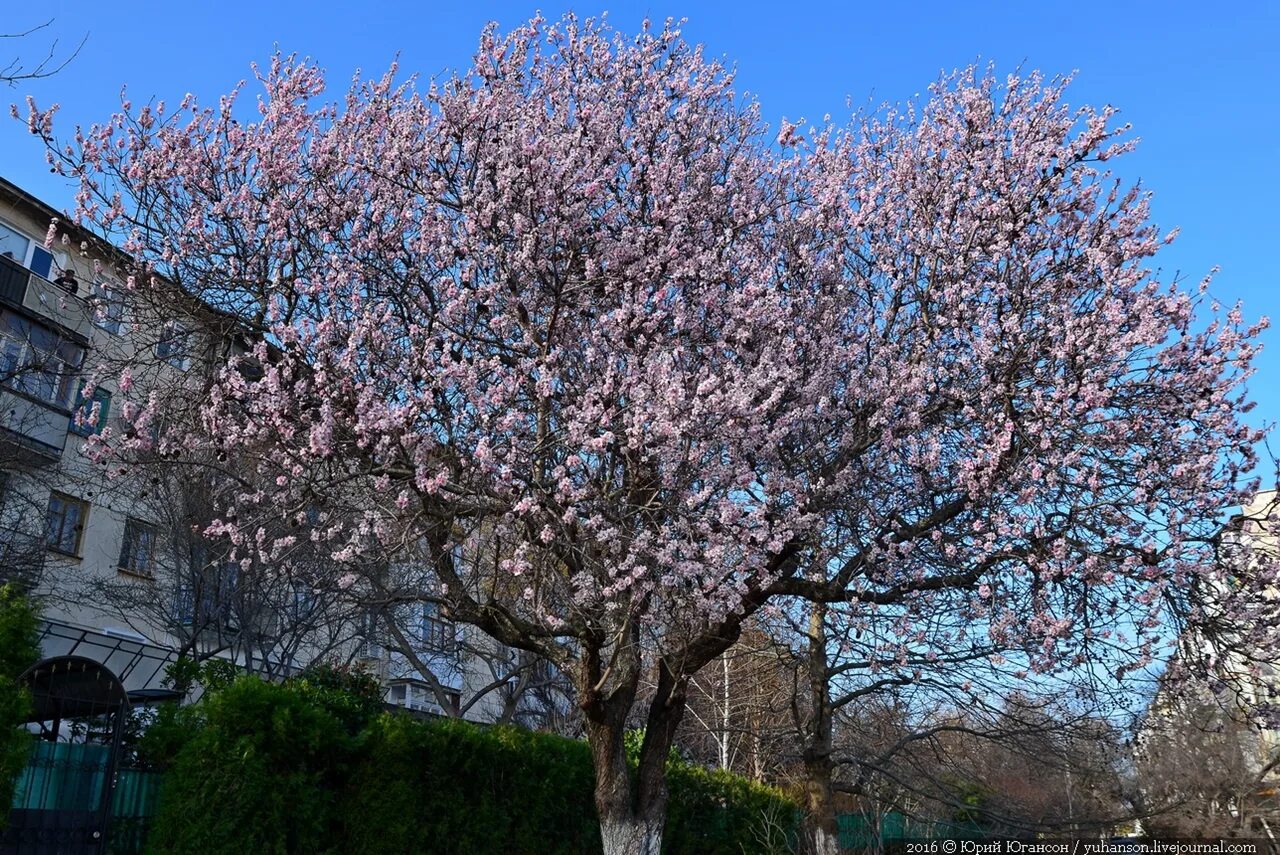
(209, 593)
(41, 261)
(174, 346)
(437, 633)
(65, 523)
(138, 551)
(370, 648)
(417, 696)
(537, 669)
(90, 415)
(304, 600)
(184, 604)
(13, 244)
(36, 362)
(108, 307)
(26, 251)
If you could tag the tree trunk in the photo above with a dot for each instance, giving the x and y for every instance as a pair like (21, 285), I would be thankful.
(633, 814)
(724, 712)
(820, 812)
(632, 837)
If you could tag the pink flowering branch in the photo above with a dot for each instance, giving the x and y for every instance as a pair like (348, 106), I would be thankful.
(577, 303)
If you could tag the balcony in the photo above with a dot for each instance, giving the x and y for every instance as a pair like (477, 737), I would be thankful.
(43, 333)
(33, 426)
(22, 289)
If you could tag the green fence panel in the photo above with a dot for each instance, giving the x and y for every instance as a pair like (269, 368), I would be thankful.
(62, 776)
(136, 793)
(857, 831)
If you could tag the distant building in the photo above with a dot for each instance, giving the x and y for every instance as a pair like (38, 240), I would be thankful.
(1209, 748)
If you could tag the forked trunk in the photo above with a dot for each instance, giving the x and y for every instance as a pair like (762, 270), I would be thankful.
(632, 812)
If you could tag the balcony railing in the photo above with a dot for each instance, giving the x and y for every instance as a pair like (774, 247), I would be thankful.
(20, 287)
(13, 281)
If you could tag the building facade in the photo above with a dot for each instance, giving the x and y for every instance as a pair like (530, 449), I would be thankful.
(116, 556)
(1208, 750)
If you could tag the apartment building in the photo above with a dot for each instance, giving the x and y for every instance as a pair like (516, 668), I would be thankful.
(1208, 751)
(1256, 683)
(115, 556)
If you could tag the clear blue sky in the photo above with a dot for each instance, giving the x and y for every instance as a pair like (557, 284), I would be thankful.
(1197, 80)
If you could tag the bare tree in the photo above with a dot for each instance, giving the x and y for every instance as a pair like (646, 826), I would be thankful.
(410, 634)
(1206, 768)
(1027, 765)
(875, 689)
(172, 580)
(739, 708)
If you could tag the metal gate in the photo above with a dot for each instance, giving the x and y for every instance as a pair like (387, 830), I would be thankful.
(63, 800)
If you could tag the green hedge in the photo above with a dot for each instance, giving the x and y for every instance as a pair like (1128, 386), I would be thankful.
(449, 786)
(714, 812)
(290, 768)
(261, 775)
(18, 650)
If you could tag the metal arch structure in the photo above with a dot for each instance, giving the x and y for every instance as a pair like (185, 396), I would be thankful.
(135, 660)
(70, 687)
(64, 796)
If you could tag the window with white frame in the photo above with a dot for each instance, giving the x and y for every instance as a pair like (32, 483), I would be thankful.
(209, 594)
(138, 549)
(370, 636)
(174, 346)
(304, 600)
(37, 362)
(64, 525)
(222, 590)
(184, 603)
(418, 696)
(108, 306)
(25, 250)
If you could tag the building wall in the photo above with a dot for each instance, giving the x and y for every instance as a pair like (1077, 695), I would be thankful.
(78, 619)
(1234, 688)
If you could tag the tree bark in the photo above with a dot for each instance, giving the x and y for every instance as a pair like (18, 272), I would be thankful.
(820, 813)
(632, 836)
(633, 810)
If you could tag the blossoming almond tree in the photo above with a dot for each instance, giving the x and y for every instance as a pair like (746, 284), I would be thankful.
(576, 303)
